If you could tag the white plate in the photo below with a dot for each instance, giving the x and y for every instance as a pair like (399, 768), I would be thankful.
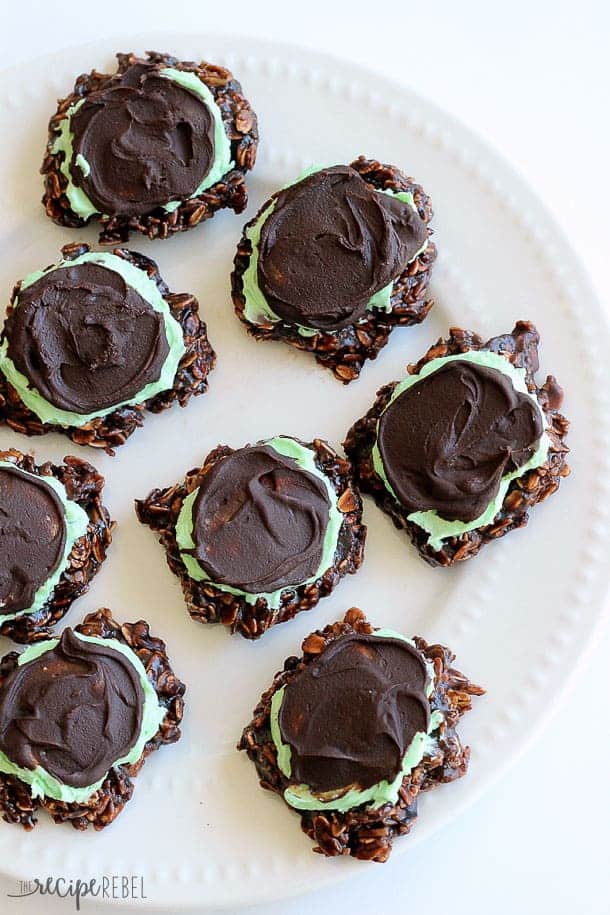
(199, 829)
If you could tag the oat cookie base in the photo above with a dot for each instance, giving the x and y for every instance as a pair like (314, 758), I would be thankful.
(208, 604)
(520, 347)
(360, 832)
(242, 129)
(84, 485)
(111, 431)
(16, 802)
(345, 351)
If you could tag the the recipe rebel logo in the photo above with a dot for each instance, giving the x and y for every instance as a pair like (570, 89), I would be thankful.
(117, 887)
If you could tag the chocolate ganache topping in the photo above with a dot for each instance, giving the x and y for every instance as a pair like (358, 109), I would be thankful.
(351, 714)
(259, 521)
(447, 441)
(32, 537)
(75, 710)
(330, 244)
(146, 139)
(85, 340)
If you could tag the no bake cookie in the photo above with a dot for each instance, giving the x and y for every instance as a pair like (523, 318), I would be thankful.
(260, 533)
(91, 343)
(79, 714)
(332, 263)
(54, 534)
(156, 147)
(459, 451)
(350, 733)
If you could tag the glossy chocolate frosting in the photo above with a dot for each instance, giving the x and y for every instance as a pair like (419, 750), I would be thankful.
(146, 139)
(330, 244)
(85, 340)
(75, 711)
(32, 537)
(351, 714)
(447, 441)
(259, 521)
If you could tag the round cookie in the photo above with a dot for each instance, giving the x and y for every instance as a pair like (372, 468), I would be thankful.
(156, 147)
(350, 733)
(54, 533)
(90, 343)
(259, 533)
(460, 450)
(336, 260)
(105, 697)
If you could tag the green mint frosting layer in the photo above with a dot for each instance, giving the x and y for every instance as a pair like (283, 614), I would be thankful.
(438, 528)
(148, 289)
(304, 457)
(76, 522)
(257, 309)
(80, 203)
(41, 782)
(383, 792)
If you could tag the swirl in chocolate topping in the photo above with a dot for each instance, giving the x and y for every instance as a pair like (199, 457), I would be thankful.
(330, 244)
(75, 710)
(32, 537)
(447, 441)
(85, 340)
(350, 716)
(146, 139)
(259, 521)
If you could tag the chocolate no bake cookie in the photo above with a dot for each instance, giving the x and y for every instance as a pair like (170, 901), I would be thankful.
(90, 343)
(459, 451)
(156, 147)
(258, 534)
(106, 697)
(54, 535)
(332, 263)
(350, 733)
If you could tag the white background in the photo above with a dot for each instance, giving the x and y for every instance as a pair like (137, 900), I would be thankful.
(534, 78)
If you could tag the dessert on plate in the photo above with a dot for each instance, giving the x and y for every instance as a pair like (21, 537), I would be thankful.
(350, 733)
(260, 533)
(54, 533)
(79, 714)
(156, 147)
(91, 343)
(460, 450)
(333, 262)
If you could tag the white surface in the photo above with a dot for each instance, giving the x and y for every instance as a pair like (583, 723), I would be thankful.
(532, 84)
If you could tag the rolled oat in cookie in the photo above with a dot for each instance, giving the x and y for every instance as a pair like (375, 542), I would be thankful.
(460, 450)
(350, 733)
(333, 262)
